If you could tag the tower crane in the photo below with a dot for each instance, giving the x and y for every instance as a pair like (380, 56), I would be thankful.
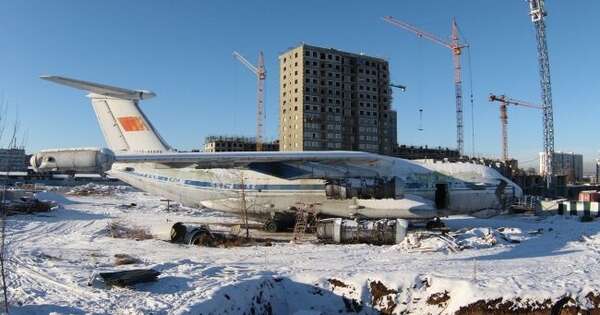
(504, 102)
(455, 47)
(261, 75)
(538, 15)
(398, 86)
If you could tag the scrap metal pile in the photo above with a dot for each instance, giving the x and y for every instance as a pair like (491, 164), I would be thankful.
(23, 202)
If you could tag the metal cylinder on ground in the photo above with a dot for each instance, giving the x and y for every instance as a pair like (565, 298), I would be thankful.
(344, 231)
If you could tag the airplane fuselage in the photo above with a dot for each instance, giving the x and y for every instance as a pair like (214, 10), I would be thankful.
(413, 196)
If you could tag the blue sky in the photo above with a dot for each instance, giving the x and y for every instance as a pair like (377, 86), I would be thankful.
(182, 51)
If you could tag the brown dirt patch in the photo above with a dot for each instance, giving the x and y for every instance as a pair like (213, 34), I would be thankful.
(383, 297)
(337, 283)
(439, 298)
(118, 229)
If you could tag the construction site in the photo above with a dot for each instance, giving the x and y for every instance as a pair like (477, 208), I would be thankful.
(348, 200)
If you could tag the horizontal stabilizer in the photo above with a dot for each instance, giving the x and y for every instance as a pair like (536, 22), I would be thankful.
(106, 90)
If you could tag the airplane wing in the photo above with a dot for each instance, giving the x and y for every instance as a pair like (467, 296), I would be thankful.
(290, 165)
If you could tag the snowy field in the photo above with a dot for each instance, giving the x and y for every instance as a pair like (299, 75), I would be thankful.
(529, 262)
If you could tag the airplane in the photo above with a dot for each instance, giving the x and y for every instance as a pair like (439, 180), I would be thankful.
(341, 184)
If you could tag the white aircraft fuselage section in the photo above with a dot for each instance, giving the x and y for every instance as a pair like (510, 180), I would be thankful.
(339, 183)
(469, 190)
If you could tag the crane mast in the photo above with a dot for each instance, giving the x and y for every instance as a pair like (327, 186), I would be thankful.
(538, 15)
(504, 102)
(261, 75)
(456, 49)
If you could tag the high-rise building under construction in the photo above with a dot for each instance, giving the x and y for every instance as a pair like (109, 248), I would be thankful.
(335, 100)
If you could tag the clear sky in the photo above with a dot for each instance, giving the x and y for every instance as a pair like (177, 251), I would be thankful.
(182, 51)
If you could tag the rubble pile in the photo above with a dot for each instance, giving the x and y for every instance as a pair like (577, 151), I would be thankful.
(24, 202)
(92, 189)
(27, 206)
(467, 238)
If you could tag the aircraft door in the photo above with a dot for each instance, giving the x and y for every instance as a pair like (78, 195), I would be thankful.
(441, 195)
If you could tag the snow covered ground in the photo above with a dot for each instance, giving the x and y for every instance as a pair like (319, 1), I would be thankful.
(522, 259)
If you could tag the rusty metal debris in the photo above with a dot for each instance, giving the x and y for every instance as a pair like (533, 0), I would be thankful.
(202, 235)
(24, 202)
(129, 277)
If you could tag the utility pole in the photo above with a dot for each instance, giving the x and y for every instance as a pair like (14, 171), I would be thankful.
(261, 75)
(244, 205)
(538, 15)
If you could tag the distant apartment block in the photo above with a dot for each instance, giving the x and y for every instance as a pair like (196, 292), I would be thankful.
(13, 160)
(236, 144)
(425, 152)
(567, 164)
(335, 100)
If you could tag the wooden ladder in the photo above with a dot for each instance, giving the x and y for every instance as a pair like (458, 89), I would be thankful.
(302, 215)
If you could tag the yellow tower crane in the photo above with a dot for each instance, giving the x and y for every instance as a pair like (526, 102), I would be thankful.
(261, 75)
(504, 102)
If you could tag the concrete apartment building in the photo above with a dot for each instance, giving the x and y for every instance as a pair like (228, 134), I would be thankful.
(335, 100)
(236, 144)
(13, 160)
(567, 164)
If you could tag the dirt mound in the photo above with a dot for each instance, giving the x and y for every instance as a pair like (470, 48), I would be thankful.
(566, 305)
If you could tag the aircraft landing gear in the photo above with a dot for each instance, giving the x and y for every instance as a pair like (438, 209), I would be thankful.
(270, 226)
(279, 222)
(435, 224)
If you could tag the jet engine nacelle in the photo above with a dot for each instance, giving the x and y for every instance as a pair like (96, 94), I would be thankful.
(79, 160)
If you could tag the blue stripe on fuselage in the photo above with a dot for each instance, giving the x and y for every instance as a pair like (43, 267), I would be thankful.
(227, 186)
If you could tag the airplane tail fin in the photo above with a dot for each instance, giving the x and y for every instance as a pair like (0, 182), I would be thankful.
(123, 124)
